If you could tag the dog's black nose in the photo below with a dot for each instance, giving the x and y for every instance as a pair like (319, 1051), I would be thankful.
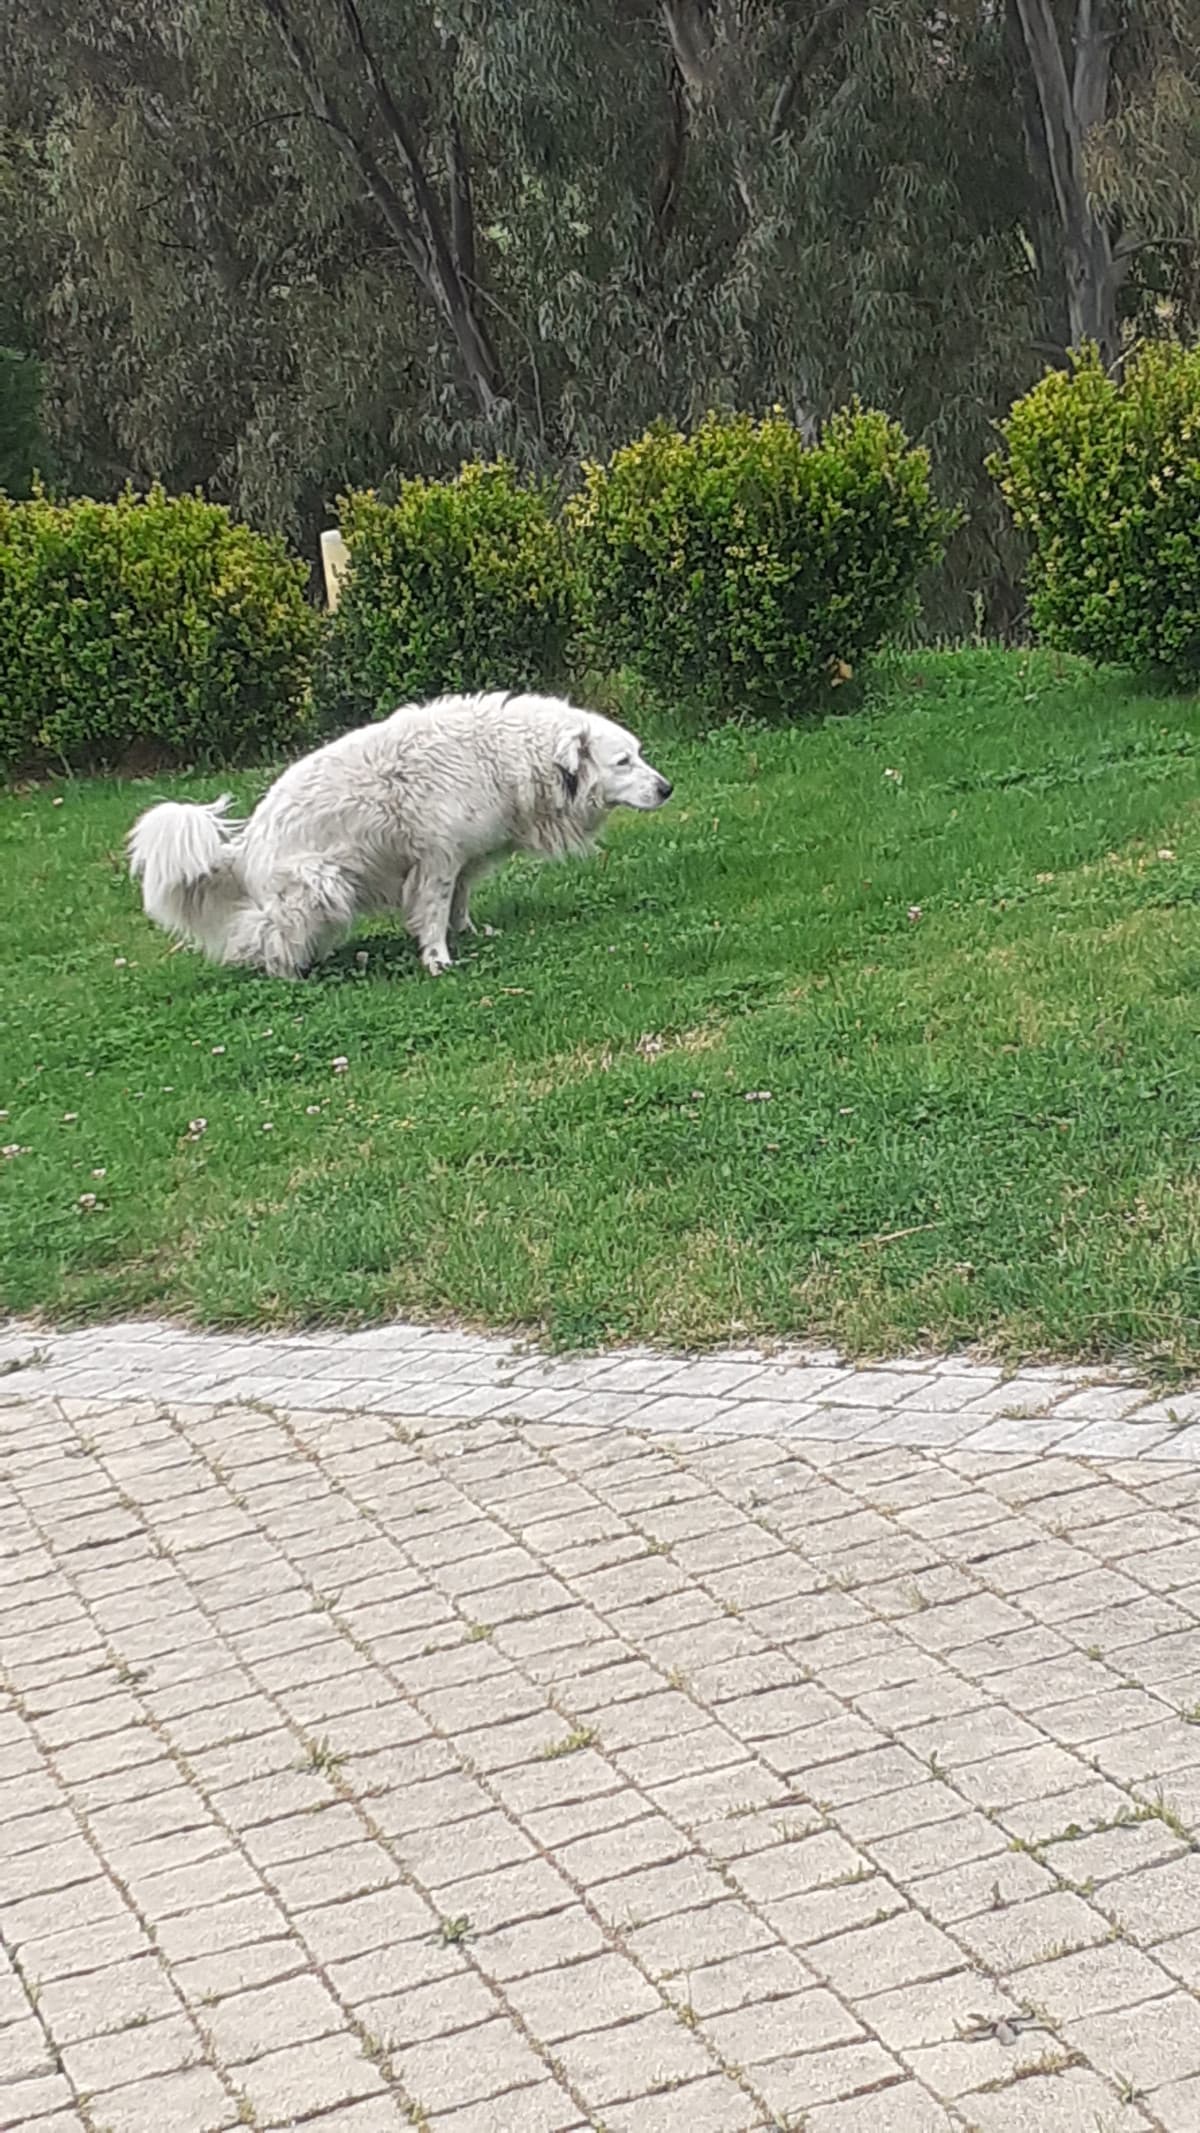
(665, 788)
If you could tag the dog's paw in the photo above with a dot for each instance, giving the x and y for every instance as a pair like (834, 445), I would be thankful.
(436, 961)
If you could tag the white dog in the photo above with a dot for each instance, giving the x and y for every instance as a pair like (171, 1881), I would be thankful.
(401, 815)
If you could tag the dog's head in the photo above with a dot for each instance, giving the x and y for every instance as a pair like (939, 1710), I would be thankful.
(602, 766)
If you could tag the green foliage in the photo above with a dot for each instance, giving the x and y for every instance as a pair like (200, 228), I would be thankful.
(456, 585)
(22, 446)
(743, 567)
(153, 622)
(636, 236)
(1103, 473)
(575, 219)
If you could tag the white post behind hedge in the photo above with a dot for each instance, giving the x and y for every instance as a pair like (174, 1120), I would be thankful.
(335, 561)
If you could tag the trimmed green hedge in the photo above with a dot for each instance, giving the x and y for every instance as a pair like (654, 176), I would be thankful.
(1103, 473)
(456, 585)
(741, 568)
(153, 622)
(738, 568)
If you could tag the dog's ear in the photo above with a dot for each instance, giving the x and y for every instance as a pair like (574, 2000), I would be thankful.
(572, 757)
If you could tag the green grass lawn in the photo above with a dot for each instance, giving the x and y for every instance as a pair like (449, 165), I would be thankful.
(886, 1030)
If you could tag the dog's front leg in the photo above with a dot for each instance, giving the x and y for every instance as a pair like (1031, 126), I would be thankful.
(428, 893)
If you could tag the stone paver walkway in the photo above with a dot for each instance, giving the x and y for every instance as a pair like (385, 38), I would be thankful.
(401, 1731)
(428, 1371)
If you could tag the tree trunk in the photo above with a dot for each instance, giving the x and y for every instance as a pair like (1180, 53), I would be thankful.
(1070, 101)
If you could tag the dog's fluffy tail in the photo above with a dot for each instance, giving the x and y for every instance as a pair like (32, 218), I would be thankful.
(186, 863)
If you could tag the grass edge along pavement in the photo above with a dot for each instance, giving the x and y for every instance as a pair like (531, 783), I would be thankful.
(883, 1034)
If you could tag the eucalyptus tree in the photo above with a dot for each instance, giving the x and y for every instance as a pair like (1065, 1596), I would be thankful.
(279, 245)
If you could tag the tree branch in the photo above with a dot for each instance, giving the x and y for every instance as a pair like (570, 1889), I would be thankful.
(826, 21)
(269, 118)
(443, 278)
(206, 224)
(1129, 246)
(330, 114)
(668, 183)
(686, 26)
(462, 206)
(423, 242)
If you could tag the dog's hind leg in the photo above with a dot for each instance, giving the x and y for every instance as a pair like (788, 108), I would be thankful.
(460, 902)
(309, 906)
(428, 894)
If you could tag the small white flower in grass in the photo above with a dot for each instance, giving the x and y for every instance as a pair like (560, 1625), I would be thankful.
(12, 1148)
(914, 914)
(268, 1125)
(340, 1065)
(120, 962)
(217, 1050)
(313, 1110)
(99, 1173)
(69, 1117)
(896, 776)
(196, 1128)
(1166, 853)
(56, 803)
(758, 1096)
(88, 1200)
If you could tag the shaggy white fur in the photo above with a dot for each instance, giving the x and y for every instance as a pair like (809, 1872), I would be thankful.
(401, 815)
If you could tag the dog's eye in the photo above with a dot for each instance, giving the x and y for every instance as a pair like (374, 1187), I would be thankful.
(624, 761)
